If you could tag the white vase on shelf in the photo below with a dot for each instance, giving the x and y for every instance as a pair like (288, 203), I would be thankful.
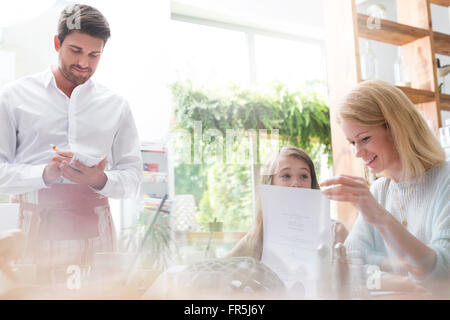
(401, 72)
(369, 67)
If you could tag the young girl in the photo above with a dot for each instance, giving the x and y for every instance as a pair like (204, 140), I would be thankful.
(289, 167)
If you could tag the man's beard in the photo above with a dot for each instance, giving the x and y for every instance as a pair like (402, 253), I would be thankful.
(77, 80)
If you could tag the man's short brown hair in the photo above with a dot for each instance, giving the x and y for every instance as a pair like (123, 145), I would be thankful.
(85, 19)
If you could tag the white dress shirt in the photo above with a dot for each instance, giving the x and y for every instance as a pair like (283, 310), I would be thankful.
(35, 113)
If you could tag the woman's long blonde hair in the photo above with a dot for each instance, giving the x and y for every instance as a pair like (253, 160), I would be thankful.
(378, 103)
(251, 245)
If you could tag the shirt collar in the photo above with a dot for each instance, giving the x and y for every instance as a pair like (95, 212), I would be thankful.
(49, 78)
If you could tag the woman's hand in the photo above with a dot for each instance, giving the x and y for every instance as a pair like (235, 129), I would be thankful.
(356, 191)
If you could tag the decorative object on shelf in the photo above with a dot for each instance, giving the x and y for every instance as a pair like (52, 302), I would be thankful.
(442, 71)
(183, 214)
(375, 12)
(150, 203)
(401, 72)
(155, 177)
(151, 167)
(369, 67)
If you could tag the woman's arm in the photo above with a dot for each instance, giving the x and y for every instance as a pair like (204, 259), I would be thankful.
(414, 255)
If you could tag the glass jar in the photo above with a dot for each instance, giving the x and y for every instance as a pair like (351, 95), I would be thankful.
(401, 72)
(369, 68)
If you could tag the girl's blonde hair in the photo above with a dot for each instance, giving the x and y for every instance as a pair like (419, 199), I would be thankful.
(378, 103)
(251, 244)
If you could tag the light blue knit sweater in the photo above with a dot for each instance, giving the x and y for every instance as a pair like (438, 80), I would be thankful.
(427, 212)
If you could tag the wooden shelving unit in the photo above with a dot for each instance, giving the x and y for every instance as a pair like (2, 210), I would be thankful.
(442, 43)
(445, 3)
(418, 96)
(413, 32)
(390, 32)
(445, 101)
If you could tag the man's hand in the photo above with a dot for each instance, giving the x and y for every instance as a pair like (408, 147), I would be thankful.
(52, 171)
(92, 176)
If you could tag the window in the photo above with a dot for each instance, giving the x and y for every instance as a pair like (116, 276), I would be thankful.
(213, 55)
(208, 55)
(291, 62)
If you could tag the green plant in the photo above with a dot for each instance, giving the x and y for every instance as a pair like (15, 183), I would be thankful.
(158, 249)
(228, 197)
(301, 117)
(222, 188)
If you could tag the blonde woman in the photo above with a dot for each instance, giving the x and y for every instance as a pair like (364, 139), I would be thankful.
(289, 167)
(404, 222)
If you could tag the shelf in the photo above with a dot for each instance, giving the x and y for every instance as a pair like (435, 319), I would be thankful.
(390, 32)
(232, 236)
(417, 95)
(441, 43)
(445, 101)
(155, 177)
(445, 3)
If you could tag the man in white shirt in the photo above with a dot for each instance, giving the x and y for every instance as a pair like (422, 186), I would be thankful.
(65, 210)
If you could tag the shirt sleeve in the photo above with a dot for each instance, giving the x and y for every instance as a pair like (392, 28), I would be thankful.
(125, 175)
(15, 178)
(360, 243)
(439, 222)
(363, 241)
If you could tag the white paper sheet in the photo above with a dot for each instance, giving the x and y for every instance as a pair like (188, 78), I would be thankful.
(295, 221)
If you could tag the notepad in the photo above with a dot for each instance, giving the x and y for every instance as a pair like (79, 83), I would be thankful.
(85, 159)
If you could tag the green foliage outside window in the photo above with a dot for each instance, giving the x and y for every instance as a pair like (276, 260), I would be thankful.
(221, 183)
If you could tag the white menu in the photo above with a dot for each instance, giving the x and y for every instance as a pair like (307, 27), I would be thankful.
(295, 221)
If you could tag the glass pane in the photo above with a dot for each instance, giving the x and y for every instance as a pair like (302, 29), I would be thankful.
(208, 55)
(291, 62)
